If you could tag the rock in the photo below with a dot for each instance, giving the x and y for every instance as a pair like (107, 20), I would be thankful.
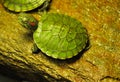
(100, 63)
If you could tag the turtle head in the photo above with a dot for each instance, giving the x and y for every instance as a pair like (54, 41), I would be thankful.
(28, 21)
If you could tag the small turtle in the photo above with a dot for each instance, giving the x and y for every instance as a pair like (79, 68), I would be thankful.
(57, 35)
(25, 5)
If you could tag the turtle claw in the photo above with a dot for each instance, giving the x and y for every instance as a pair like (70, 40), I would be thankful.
(35, 49)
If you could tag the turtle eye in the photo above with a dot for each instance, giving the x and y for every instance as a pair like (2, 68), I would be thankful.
(32, 24)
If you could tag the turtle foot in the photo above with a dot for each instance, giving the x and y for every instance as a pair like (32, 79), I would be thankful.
(35, 49)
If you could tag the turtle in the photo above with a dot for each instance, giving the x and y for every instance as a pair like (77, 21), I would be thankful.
(25, 5)
(57, 35)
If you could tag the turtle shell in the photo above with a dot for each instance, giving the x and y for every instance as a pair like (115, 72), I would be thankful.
(22, 5)
(60, 36)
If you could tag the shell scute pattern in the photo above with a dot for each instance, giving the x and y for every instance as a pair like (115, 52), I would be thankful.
(60, 36)
(22, 5)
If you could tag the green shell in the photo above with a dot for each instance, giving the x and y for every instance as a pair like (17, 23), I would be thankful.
(60, 36)
(22, 5)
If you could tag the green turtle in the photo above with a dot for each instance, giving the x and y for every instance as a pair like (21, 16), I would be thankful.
(25, 5)
(56, 35)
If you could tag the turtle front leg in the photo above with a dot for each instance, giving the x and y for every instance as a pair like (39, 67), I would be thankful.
(45, 6)
(43, 10)
(35, 49)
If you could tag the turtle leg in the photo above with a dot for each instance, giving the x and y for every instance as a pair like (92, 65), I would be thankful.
(35, 49)
(88, 45)
(45, 5)
(43, 10)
